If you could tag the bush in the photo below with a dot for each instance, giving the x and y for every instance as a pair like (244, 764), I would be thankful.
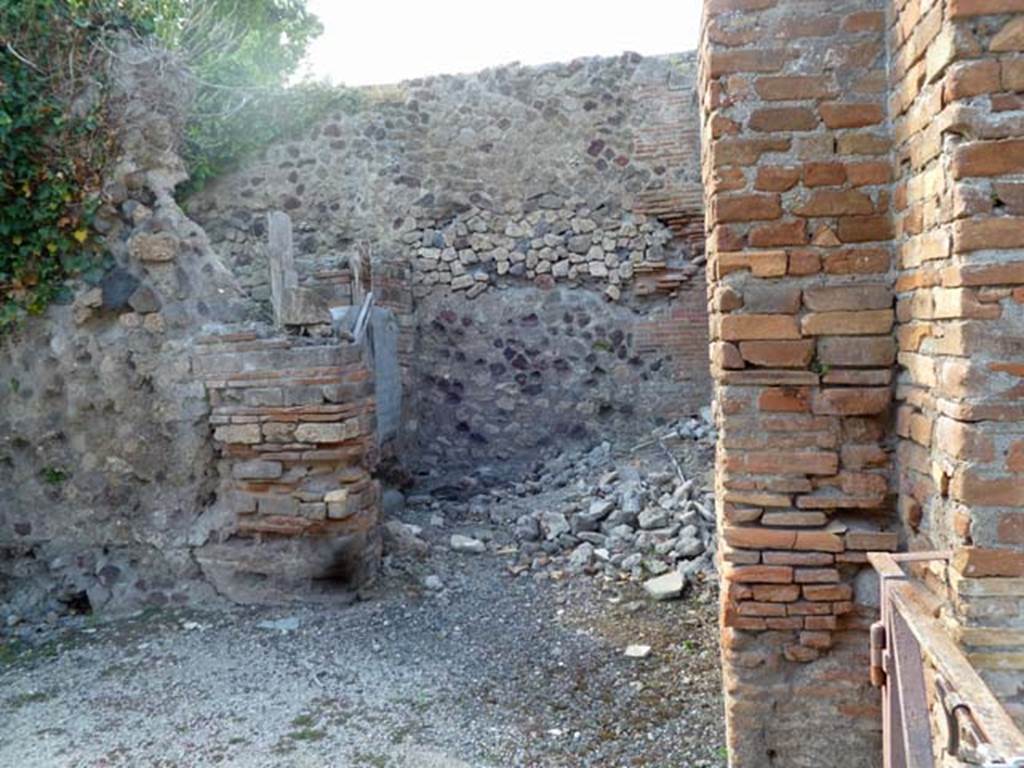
(56, 137)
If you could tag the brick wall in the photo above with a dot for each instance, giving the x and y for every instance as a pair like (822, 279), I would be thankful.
(956, 78)
(797, 173)
(294, 429)
(864, 168)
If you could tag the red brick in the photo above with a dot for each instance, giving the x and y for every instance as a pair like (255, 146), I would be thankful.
(776, 593)
(795, 87)
(1012, 79)
(864, 21)
(868, 261)
(779, 233)
(967, 79)
(866, 323)
(784, 400)
(824, 174)
(851, 115)
(776, 178)
(818, 541)
(848, 297)
(761, 609)
(1010, 38)
(798, 558)
(865, 229)
(961, 8)
(863, 144)
(727, 208)
(815, 575)
(829, 202)
(852, 401)
(827, 592)
(988, 158)
(982, 234)
(778, 354)
(981, 562)
(733, 151)
(780, 119)
(1003, 273)
(748, 60)
(868, 173)
(970, 487)
(760, 574)
(782, 463)
(760, 263)
(819, 622)
(807, 608)
(868, 541)
(757, 327)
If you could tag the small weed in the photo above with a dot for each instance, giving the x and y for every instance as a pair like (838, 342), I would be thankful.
(370, 759)
(307, 734)
(24, 699)
(54, 475)
(303, 721)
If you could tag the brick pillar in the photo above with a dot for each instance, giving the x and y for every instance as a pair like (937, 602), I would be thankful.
(957, 81)
(798, 176)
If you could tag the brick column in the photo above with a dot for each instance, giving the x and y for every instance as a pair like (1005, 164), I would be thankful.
(797, 173)
(957, 80)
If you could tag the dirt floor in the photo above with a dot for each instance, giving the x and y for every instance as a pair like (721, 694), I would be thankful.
(478, 668)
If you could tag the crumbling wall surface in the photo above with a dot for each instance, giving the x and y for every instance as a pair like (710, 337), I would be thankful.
(510, 189)
(842, 139)
(295, 437)
(563, 358)
(797, 176)
(105, 458)
(957, 97)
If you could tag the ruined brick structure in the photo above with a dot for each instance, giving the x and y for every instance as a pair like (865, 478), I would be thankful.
(862, 167)
(538, 232)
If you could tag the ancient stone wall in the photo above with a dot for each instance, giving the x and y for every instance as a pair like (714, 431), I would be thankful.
(798, 212)
(861, 161)
(537, 231)
(295, 439)
(105, 458)
(957, 101)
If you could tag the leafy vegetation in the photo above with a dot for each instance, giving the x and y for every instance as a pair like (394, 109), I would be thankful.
(56, 134)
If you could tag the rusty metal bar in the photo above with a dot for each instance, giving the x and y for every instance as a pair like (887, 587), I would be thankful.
(993, 721)
(906, 638)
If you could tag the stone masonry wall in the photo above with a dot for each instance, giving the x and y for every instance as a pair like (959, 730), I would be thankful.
(957, 99)
(860, 158)
(797, 175)
(506, 200)
(295, 434)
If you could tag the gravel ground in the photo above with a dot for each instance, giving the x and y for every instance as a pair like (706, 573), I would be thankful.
(490, 671)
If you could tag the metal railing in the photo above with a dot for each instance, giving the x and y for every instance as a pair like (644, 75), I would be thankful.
(977, 730)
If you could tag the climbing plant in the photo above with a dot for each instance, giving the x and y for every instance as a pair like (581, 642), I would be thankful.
(56, 133)
(52, 147)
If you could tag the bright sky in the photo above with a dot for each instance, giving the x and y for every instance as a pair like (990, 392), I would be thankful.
(373, 42)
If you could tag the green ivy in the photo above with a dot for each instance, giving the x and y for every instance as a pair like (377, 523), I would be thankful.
(50, 157)
(53, 150)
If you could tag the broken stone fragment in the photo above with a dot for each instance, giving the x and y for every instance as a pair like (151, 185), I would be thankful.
(467, 544)
(327, 433)
(248, 434)
(668, 586)
(257, 470)
(159, 247)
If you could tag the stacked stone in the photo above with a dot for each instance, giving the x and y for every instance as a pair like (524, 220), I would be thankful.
(559, 241)
(957, 92)
(797, 175)
(294, 426)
